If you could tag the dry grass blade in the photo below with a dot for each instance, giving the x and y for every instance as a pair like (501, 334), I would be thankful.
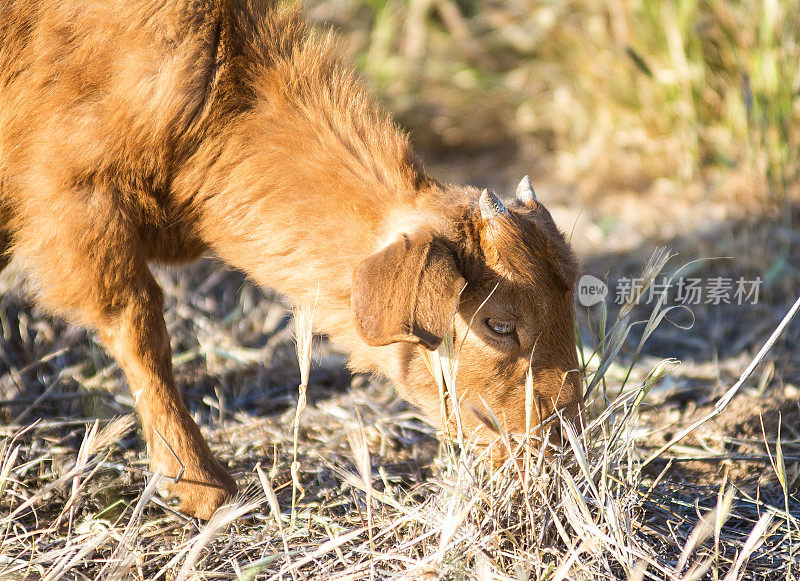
(323, 549)
(529, 411)
(122, 557)
(274, 507)
(360, 449)
(619, 331)
(218, 523)
(754, 540)
(68, 561)
(580, 456)
(710, 523)
(734, 389)
(9, 460)
(303, 320)
(446, 362)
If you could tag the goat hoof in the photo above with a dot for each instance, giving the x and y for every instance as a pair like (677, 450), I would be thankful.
(201, 500)
(202, 492)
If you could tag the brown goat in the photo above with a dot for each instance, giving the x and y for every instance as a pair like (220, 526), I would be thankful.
(155, 130)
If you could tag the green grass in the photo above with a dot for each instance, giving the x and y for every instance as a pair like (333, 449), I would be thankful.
(622, 93)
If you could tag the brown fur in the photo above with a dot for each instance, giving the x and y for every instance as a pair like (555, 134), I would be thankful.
(155, 130)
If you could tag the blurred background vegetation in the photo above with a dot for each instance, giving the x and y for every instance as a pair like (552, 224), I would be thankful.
(616, 95)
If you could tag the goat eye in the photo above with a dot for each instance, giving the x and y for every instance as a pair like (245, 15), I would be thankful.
(500, 327)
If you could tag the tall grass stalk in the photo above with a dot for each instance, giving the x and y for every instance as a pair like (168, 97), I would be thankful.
(304, 338)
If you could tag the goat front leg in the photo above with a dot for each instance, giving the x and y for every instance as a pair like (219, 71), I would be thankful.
(87, 263)
(139, 341)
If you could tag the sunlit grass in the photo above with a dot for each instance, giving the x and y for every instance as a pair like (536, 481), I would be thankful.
(622, 93)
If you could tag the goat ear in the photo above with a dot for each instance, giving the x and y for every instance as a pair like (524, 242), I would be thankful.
(408, 291)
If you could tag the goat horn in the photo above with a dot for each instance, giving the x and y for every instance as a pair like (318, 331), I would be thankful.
(525, 193)
(491, 206)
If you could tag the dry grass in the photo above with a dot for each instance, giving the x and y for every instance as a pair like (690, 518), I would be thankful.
(356, 486)
(342, 480)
